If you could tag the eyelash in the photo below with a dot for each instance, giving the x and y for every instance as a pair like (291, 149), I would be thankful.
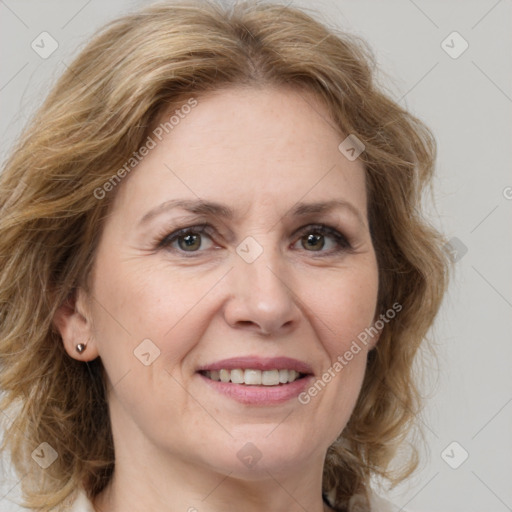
(343, 245)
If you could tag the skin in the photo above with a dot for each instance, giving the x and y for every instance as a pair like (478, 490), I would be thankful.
(258, 151)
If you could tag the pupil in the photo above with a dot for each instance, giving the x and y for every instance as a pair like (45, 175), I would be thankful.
(189, 241)
(312, 239)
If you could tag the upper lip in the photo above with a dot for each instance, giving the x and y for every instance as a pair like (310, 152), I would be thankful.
(259, 363)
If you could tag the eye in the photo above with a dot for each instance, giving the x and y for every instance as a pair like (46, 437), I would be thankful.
(317, 237)
(191, 239)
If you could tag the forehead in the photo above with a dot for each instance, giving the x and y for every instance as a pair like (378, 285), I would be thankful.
(274, 145)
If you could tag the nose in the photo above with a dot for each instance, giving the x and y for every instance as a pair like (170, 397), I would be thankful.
(261, 297)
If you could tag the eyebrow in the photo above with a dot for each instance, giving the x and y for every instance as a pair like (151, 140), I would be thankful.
(202, 207)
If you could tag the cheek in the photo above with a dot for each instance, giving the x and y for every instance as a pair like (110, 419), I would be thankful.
(136, 302)
(342, 308)
(345, 305)
(142, 310)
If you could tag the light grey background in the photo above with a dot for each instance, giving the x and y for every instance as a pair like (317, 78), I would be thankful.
(467, 102)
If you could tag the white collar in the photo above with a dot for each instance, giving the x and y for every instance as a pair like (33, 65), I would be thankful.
(82, 503)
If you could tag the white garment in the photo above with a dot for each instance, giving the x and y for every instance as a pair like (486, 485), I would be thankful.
(82, 503)
(378, 504)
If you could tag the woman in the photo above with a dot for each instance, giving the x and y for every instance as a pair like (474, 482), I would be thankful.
(215, 272)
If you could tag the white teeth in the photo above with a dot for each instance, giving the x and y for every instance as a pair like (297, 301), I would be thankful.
(252, 377)
(237, 376)
(270, 377)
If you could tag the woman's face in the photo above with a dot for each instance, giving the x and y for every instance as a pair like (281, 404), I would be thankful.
(256, 283)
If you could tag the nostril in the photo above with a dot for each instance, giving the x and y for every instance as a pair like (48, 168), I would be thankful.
(249, 324)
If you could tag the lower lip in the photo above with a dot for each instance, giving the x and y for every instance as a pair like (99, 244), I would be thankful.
(260, 395)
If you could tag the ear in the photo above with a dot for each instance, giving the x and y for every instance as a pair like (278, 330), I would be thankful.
(73, 321)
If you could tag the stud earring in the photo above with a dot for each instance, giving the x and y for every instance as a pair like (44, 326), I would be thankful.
(81, 347)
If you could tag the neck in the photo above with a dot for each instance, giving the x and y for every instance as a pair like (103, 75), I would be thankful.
(182, 486)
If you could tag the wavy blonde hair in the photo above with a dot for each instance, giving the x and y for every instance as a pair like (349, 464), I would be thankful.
(96, 116)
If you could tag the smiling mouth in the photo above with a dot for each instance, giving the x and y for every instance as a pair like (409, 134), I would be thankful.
(252, 377)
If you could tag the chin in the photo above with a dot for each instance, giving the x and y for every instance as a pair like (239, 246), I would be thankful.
(259, 451)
